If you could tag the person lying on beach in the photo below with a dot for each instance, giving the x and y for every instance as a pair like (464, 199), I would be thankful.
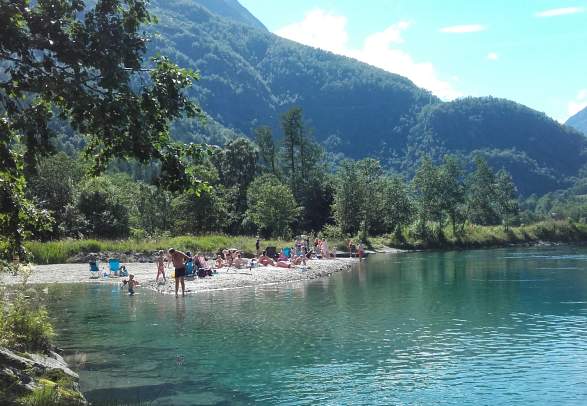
(265, 260)
(283, 264)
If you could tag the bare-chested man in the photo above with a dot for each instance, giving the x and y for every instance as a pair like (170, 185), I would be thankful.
(178, 259)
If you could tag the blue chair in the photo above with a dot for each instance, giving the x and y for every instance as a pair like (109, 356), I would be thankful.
(287, 252)
(94, 270)
(114, 265)
(189, 268)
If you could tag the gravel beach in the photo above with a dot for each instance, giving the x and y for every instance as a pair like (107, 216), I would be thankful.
(225, 278)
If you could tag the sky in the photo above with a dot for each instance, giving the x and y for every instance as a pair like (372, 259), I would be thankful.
(531, 51)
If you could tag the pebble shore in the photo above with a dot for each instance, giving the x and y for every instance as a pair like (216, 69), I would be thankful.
(225, 278)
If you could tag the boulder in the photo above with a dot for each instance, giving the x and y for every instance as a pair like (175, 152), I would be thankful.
(23, 374)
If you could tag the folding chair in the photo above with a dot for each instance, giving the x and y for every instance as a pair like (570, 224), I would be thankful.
(94, 270)
(114, 266)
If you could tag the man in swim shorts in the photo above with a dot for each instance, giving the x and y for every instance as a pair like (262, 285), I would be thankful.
(178, 259)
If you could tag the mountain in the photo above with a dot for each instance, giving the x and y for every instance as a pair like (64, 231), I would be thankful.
(579, 121)
(250, 77)
(230, 9)
(541, 154)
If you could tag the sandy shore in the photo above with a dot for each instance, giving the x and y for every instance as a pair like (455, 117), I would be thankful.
(225, 278)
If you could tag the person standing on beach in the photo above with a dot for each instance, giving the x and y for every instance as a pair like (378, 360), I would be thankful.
(178, 259)
(258, 245)
(160, 267)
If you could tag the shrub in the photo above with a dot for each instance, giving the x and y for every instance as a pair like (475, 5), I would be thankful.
(24, 326)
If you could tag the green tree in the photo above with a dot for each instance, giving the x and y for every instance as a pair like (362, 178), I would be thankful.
(271, 206)
(54, 188)
(452, 189)
(86, 66)
(293, 128)
(204, 214)
(153, 207)
(481, 194)
(266, 144)
(349, 198)
(236, 165)
(506, 198)
(358, 202)
(398, 207)
(427, 184)
(101, 204)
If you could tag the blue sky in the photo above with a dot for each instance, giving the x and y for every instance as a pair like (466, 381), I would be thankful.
(530, 51)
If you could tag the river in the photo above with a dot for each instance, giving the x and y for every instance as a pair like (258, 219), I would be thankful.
(503, 326)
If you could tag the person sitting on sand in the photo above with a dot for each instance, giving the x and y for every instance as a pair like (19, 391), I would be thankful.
(299, 260)
(123, 271)
(219, 261)
(282, 256)
(239, 262)
(160, 261)
(229, 256)
(178, 259)
(265, 260)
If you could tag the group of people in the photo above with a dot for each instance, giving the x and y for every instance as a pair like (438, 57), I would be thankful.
(356, 251)
(181, 262)
(286, 258)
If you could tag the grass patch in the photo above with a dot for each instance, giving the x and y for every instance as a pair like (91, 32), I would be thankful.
(57, 252)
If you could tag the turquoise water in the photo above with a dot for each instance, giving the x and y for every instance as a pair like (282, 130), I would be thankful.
(479, 327)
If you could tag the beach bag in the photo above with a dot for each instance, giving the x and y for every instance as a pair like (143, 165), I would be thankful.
(201, 273)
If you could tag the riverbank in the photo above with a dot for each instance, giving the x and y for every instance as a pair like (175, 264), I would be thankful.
(471, 237)
(225, 278)
(475, 237)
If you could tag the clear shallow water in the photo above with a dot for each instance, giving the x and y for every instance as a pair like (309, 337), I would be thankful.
(478, 327)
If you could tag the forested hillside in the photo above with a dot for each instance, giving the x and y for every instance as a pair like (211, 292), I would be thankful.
(579, 121)
(541, 154)
(250, 77)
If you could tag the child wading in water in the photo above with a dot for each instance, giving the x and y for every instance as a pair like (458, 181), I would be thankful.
(132, 284)
(160, 266)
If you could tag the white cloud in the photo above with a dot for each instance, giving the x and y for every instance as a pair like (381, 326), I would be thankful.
(319, 29)
(463, 29)
(578, 104)
(492, 56)
(328, 31)
(559, 12)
